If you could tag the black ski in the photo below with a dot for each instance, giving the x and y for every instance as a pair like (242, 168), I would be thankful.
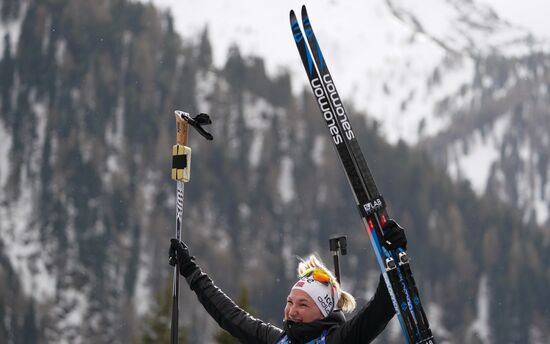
(404, 271)
(352, 173)
(393, 263)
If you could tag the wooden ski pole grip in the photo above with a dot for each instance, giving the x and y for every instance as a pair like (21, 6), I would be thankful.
(182, 134)
(181, 154)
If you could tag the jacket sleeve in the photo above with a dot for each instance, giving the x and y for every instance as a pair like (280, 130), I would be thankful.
(228, 315)
(370, 321)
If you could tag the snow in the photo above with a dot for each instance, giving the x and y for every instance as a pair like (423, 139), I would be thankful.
(436, 19)
(204, 89)
(536, 336)
(529, 14)
(244, 23)
(244, 211)
(481, 324)
(397, 94)
(466, 26)
(114, 138)
(114, 133)
(257, 113)
(256, 149)
(503, 91)
(534, 194)
(257, 116)
(60, 48)
(322, 193)
(437, 323)
(286, 180)
(17, 226)
(22, 245)
(318, 150)
(142, 293)
(74, 315)
(13, 29)
(475, 164)
(369, 59)
(540, 201)
(41, 117)
(5, 149)
(148, 190)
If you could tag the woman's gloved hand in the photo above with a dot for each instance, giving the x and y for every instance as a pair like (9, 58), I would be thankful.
(179, 254)
(394, 235)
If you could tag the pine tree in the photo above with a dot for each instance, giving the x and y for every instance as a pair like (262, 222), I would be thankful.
(205, 57)
(157, 321)
(235, 70)
(7, 68)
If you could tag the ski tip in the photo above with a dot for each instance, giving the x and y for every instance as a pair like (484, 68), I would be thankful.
(304, 11)
(292, 16)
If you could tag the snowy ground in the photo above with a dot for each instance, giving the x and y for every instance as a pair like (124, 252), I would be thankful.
(531, 14)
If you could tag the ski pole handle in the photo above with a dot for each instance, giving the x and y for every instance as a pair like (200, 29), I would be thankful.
(338, 245)
(182, 129)
(181, 154)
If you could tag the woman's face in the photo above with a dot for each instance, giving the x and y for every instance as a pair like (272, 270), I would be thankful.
(301, 308)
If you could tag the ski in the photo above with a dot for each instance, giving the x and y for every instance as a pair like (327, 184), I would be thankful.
(404, 272)
(394, 264)
(355, 180)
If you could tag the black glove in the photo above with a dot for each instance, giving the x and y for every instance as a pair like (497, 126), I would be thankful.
(394, 235)
(179, 254)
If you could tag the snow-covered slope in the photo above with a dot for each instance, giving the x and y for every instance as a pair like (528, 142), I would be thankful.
(382, 52)
(414, 66)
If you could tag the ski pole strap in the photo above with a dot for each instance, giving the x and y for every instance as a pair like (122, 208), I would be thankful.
(181, 163)
(371, 206)
(197, 122)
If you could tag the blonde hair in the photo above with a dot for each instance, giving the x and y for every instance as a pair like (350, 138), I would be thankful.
(347, 301)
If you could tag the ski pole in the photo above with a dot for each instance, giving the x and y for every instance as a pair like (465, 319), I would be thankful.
(181, 173)
(338, 245)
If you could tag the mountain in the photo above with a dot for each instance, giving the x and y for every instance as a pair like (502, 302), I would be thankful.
(495, 130)
(87, 206)
(447, 75)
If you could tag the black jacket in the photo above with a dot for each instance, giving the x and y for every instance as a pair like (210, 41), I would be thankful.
(361, 328)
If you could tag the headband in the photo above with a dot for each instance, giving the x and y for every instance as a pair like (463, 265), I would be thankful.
(320, 290)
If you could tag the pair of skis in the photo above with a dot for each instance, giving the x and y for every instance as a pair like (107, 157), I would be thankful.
(394, 263)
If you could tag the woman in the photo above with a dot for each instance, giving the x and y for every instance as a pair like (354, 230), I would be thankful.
(314, 307)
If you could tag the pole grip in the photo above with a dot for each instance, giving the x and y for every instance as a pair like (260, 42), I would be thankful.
(181, 154)
(182, 131)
